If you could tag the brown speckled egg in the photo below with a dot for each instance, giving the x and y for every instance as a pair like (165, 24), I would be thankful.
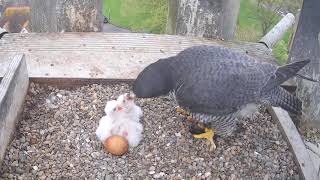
(116, 145)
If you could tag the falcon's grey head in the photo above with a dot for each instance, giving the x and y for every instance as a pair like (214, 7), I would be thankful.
(155, 80)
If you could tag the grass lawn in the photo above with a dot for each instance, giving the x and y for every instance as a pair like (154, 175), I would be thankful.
(111, 9)
(150, 16)
(248, 28)
(138, 15)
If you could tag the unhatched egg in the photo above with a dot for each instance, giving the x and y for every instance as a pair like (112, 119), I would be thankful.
(116, 145)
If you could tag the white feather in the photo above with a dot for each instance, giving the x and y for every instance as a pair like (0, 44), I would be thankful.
(131, 130)
(249, 110)
(107, 123)
(130, 127)
(104, 129)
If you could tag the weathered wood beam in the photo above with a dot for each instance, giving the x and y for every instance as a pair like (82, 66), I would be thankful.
(203, 18)
(314, 152)
(13, 89)
(306, 45)
(113, 56)
(290, 132)
(66, 15)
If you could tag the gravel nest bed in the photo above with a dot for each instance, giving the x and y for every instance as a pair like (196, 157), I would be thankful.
(55, 139)
(310, 134)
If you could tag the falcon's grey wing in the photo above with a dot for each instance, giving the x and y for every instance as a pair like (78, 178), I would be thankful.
(222, 87)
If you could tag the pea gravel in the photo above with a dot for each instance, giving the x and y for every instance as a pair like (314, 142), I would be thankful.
(55, 139)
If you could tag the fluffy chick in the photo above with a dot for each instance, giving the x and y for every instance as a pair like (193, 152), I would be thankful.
(130, 129)
(122, 118)
(129, 125)
(132, 111)
(108, 122)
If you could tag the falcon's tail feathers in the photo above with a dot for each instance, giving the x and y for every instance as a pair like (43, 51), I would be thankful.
(307, 78)
(284, 73)
(287, 101)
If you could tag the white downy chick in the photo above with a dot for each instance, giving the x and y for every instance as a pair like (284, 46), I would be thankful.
(122, 119)
(129, 125)
(109, 121)
(130, 129)
(132, 111)
(104, 129)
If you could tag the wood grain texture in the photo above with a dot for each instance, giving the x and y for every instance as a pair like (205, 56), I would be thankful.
(13, 89)
(314, 152)
(203, 18)
(290, 132)
(116, 56)
(306, 45)
(66, 15)
(43, 16)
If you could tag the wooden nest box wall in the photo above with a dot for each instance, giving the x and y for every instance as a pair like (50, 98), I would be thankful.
(52, 16)
(83, 58)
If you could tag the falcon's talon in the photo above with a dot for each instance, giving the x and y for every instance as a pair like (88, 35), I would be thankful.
(182, 111)
(200, 125)
(209, 133)
(189, 118)
(195, 129)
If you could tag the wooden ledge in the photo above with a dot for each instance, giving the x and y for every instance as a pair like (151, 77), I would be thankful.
(112, 56)
(13, 89)
(290, 132)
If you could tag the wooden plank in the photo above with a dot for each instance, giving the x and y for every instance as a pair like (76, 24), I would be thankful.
(316, 162)
(305, 45)
(13, 89)
(4, 64)
(290, 132)
(203, 18)
(66, 16)
(105, 55)
(314, 153)
(74, 82)
(313, 147)
(43, 16)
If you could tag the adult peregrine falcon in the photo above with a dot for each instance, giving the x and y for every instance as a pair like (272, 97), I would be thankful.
(212, 84)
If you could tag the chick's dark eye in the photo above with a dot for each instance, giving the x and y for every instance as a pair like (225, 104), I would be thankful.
(124, 101)
(114, 109)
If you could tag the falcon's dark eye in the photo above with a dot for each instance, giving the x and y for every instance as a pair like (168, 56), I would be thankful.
(124, 101)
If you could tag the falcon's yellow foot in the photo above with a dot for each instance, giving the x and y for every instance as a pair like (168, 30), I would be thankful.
(189, 118)
(208, 134)
(182, 111)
